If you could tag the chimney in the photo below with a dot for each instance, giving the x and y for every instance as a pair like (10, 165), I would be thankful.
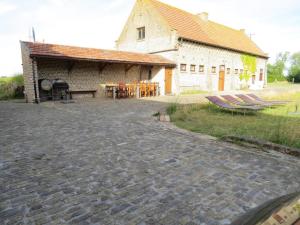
(203, 16)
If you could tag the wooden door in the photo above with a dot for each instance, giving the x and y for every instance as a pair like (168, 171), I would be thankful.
(168, 81)
(221, 78)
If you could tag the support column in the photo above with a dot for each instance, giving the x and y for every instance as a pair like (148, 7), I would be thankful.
(35, 81)
(114, 93)
(138, 91)
(30, 74)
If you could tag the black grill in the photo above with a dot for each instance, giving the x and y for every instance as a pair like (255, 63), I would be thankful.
(53, 89)
(60, 89)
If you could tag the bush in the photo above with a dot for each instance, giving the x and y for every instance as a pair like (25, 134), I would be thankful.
(11, 87)
(294, 77)
(275, 70)
(294, 71)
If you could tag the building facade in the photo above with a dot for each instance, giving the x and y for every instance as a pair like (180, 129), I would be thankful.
(209, 56)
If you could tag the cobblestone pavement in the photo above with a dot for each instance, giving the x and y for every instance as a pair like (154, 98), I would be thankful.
(112, 163)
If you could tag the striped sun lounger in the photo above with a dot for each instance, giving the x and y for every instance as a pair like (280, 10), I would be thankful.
(249, 100)
(235, 101)
(224, 105)
(265, 101)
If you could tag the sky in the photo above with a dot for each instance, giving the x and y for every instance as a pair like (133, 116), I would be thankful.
(273, 24)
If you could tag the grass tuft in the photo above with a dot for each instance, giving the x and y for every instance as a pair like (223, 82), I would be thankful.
(172, 109)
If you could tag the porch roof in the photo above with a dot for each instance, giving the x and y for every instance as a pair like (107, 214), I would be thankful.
(54, 51)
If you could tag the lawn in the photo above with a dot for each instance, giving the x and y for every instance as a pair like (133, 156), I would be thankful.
(193, 92)
(276, 124)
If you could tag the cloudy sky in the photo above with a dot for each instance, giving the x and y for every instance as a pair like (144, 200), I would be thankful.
(274, 24)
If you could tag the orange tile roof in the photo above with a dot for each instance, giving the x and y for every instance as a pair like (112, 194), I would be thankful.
(92, 54)
(191, 27)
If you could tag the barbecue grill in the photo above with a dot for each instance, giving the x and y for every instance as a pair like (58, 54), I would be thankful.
(60, 89)
(57, 89)
(45, 89)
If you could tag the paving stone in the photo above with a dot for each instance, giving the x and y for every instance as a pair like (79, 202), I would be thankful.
(104, 162)
(119, 208)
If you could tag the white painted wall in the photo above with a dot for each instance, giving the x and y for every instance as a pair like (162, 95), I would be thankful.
(158, 75)
(193, 53)
(158, 36)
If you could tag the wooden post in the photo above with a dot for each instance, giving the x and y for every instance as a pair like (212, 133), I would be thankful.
(114, 93)
(138, 91)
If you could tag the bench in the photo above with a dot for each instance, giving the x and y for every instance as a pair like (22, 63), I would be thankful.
(93, 92)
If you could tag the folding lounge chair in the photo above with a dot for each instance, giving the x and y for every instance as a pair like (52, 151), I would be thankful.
(222, 104)
(235, 101)
(265, 101)
(249, 100)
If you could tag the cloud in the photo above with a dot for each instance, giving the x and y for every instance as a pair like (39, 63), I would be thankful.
(6, 7)
(98, 24)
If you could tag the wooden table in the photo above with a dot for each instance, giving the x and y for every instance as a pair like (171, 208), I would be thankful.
(132, 90)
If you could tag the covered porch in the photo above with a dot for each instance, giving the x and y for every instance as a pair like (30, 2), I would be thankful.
(93, 72)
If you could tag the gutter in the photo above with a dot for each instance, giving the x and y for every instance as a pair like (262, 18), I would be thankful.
(170, 63)
(222, 47)
(34, 82)
(167, 50)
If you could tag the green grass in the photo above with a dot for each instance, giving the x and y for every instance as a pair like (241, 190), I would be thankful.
(10, 87)
(193, 92)
(280, 84)
(275, 124)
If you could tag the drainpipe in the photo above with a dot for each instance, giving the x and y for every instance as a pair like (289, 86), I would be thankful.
(34, 82)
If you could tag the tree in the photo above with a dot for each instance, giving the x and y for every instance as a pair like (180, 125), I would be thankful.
(275, 71)
(294, 71)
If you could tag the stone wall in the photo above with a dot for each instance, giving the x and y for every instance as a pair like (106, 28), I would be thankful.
(29, 69)
(193, 53)
(89, 76)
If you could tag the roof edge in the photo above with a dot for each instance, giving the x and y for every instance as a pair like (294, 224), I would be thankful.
(226, 48)
(171, 64)
(32, 54)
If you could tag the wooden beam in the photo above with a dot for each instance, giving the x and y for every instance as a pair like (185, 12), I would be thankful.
(128, 67)
(70, 66)
(101, 67)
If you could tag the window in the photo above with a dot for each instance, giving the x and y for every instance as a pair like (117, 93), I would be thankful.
(261, 75)
(241, 71)
(201, 68)
(236, 71)
(213, 69)
(182, 67)
(193, 68)
(228, 70)
(141, 33)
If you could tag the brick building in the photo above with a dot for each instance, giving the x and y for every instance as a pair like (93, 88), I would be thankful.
(160, 43)
(208, 55)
